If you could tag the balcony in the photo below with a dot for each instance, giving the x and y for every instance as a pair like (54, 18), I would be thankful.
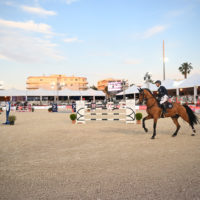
(32, 87)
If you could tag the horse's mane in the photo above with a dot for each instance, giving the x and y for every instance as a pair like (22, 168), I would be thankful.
(149, 92)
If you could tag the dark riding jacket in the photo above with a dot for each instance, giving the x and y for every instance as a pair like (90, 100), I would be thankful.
(162, 91)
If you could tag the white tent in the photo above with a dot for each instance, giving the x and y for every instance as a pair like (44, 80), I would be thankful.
(40, 92)
(192, 81)
(67, 92)
(91, 92)
(171, 84)
(152, 87)
(12, 92)
(131, 90)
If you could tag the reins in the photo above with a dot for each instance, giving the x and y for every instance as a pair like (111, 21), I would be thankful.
(147, 100)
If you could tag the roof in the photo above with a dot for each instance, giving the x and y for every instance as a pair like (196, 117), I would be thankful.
(131, 90)
(171, 84)
(42, 92)
(192, 81)
(151, 86)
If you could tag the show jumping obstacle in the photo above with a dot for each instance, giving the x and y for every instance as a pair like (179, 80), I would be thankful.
(127, 115)
(27, 108)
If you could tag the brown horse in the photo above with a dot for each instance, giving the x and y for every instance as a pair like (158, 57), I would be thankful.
(154, 112)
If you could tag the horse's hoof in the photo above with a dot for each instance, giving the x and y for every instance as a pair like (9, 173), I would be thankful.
(193, 134)
(146, 130)
(152, 137)
(174, 135)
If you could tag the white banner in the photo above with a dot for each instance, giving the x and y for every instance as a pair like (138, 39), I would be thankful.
(115, 86)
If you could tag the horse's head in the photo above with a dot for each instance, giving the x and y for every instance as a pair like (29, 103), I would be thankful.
(143, 95)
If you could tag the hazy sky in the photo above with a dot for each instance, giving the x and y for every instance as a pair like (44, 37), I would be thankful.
(97, 38)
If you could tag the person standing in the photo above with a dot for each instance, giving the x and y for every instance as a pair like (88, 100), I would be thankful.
(7, 111)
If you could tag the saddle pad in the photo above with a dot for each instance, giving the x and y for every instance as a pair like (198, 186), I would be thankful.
(169, 105)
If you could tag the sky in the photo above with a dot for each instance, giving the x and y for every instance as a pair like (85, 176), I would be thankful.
(97, 39)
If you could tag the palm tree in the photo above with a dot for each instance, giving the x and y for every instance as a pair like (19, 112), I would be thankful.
(185, 68)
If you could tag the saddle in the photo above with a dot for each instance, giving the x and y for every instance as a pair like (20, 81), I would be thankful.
(169, 105)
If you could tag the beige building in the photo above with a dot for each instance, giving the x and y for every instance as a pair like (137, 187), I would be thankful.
(56, 82)
(102, 84)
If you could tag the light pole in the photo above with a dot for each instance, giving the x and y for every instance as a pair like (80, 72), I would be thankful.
(163, 60)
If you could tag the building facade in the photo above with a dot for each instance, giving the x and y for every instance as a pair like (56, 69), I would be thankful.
(56, 82)
(102, 84)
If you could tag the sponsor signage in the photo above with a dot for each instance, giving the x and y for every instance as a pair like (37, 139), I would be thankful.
(115, 86)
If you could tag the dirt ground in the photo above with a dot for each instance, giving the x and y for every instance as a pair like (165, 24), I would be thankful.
(44, 156)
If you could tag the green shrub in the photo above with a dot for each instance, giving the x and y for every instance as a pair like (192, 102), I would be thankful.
(12, 118)
(73, 117)
(138, 116)
(50, 109)
(32, 109)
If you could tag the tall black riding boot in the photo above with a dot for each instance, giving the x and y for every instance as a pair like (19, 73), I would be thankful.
(164, 111)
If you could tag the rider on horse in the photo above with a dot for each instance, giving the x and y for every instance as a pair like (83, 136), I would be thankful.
(163, 96)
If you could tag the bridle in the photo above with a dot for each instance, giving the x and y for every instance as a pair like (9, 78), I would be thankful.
(146, 99)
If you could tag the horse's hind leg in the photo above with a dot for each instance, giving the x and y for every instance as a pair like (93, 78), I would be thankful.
(143, 122)
(175, 120)
(186, 118)
(194, 131)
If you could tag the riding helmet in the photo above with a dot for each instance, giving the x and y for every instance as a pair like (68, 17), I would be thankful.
(158, 81)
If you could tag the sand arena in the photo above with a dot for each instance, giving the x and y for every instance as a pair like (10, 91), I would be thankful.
(44, 156)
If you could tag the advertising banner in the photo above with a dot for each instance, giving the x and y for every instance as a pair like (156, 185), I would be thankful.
(114, 86)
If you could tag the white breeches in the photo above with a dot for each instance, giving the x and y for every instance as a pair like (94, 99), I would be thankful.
(164, 99)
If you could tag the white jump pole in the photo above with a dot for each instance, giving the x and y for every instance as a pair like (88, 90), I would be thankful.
(129, 114)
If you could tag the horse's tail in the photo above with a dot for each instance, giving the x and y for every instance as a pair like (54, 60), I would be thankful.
(193, 119)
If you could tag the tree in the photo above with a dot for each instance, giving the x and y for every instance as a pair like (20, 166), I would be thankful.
(106, 92)
(185, 68)
(94, 87)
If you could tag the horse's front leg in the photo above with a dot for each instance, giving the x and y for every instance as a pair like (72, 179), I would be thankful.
(143, 122)
(154, 128)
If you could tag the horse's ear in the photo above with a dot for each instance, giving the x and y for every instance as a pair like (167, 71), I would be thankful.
(140, 90)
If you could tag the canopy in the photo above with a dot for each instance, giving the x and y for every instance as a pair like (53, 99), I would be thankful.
(42, 92)
(171, 84)
(192, 81)
(12, 92)
(91, 92)
(67, 92)
(131, 90)
(152, 87)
